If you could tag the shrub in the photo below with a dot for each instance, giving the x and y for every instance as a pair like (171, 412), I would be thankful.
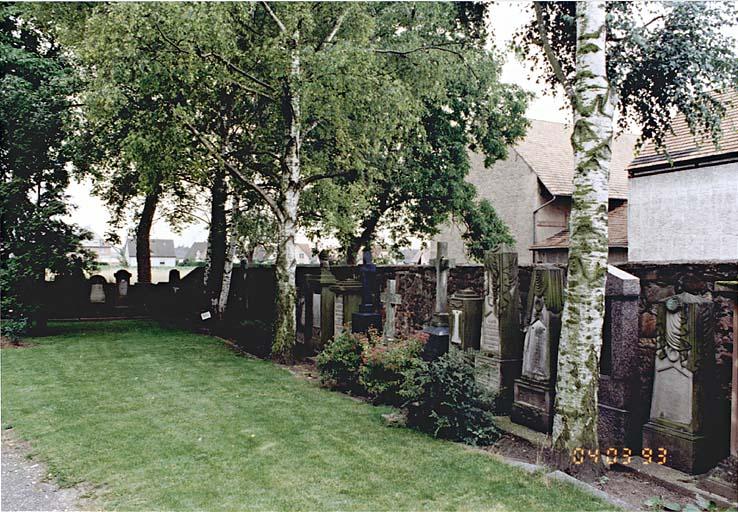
(340, 360)
(384, 365)
(444, 400)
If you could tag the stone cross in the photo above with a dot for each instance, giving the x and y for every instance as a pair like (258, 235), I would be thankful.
(390, 299)
(443, 264)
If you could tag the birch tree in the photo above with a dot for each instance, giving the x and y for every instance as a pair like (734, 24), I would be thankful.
(645, 65)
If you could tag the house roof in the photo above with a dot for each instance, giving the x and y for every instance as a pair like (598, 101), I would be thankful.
(683, 148)
(196, 247)
(617, 232)
(306, 249)
(547, 150)
(160, 248)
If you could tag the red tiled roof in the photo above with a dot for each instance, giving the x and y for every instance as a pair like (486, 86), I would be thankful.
(683, 147)
(617, 232)
(547, 150)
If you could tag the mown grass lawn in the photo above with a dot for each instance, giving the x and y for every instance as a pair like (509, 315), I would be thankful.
(157, 418)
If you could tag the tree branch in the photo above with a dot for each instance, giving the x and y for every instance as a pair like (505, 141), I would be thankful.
(279, 23)
(317, 177)
(334, 30)
(212, 150)
(550, 55)
(440, 47)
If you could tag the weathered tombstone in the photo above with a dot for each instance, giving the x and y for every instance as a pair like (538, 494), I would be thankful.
(390, 299)
(682, 403)
(174, 277)
(723, 479)
(348, 301)
(500, 357)
(97, 289)
(465, 316)
(122, 283)
(324, 301)
(619, 422)
(368, 316)
(438, 330)
(534, 390)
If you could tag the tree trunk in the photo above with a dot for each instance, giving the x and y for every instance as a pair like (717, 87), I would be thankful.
(575, 423)
(143, 235)
(283, 347)
(216, 252)
(230, 256)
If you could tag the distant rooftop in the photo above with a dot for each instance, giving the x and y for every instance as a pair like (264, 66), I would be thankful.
(617, 232)
(160, 248)
(683, 148)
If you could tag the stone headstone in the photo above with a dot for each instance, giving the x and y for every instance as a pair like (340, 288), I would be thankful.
(323, 303)
(683, 399)
(534, 390)
(122, 283)
(390, 299)
(97, 289)
(174, 277)
(499, 361)
(348, 301)
(368, 316)
(438, 330)
(465, 316)
(619, 405)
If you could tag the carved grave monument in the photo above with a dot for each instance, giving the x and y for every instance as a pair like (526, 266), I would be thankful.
(534, 390)
(322, 288)
(682, 399)
(368, 315)
(438, 331)
(500, 357)
(348, 301)
(390, 299)
(465, 317)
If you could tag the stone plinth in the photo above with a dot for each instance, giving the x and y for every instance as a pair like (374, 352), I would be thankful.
(347, 302)
(534, 390)
(683, 400)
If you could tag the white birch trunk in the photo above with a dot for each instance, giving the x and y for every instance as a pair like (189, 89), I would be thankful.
(225, 288)
(575, 422)
(283, 347)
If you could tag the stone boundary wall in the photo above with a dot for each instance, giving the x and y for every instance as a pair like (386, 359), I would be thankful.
(659, 281)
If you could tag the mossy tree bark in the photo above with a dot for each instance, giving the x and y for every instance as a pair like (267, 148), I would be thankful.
(230, 255)
(217, 243)
(143, 235)
(283, 346)
(575, 422)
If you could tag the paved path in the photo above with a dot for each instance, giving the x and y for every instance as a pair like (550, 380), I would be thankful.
(23, 485)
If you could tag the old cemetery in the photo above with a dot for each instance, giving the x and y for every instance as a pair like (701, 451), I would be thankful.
(469, 352)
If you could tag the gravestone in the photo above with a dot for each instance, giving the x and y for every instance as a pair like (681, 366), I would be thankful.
(533, 395)
(683, 399)
(390, 299)
(438, 330)
(368, 316)
(500, 358)
(347, 302)
(323, 303)
(97, 289)
(465, 317)
(723, 479)
(174, 277)
(122, 284)
(620, 418)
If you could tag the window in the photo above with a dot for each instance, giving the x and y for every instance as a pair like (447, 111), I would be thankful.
(162, 263)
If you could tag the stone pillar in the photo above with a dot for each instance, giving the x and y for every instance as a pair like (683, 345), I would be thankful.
(307, 333)
(533, 404)
(465, 319)
(501, 347)
(347, 302)
(619, 383)
(322, 285)
(682, 403)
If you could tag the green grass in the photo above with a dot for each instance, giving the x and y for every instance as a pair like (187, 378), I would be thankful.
(156, 418)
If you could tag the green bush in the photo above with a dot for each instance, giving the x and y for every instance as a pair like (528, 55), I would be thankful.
(340, 360)
(444, 400)
(383, 367)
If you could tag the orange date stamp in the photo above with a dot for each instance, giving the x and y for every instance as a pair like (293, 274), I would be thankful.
(623, 456)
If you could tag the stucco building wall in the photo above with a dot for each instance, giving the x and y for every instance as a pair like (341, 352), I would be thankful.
(684, 215)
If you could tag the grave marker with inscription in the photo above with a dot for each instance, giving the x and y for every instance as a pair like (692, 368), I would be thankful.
(390, 299)
(438, 330)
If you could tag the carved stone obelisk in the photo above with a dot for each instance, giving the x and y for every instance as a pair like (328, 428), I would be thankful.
(501, 351)
(683, 399)
(534, 390)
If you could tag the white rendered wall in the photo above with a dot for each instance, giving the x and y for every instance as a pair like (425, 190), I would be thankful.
(686, 215)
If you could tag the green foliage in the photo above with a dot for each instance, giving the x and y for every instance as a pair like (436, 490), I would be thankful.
(484, 230)
(340, 361)
(673, 57)
(35, 89)
(444, 400)
(383, 367)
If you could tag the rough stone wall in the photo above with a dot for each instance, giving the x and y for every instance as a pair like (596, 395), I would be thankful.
(686, 215)
(659, 281)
